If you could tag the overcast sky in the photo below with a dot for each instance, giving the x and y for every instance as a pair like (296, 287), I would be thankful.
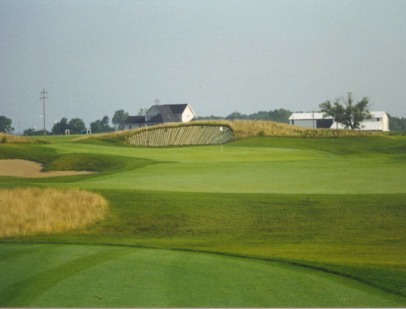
(97, 56)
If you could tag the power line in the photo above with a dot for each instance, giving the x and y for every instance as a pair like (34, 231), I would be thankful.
(44, 95)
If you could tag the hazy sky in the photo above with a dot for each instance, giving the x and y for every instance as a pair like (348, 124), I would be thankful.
(95, 56)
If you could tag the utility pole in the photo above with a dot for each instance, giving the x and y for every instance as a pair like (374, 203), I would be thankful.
(44, 95)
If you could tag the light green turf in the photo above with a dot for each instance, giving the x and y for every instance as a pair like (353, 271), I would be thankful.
(95, 276)
(250, 170)
(359, 235)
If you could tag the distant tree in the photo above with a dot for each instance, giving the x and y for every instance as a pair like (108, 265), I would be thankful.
(119, 118)
(344, 111)
(142, 111)
(96, 126)
(397, 124)
(261, 115)
(60, 127)
(100, 126)
(212, 117)
(236, 115)
(280, 115)
(33, 132)
(5, 125)
(76, 126)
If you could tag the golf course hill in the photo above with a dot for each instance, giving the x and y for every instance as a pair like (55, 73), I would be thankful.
(15, 139)
(275, 216)
(211, 132)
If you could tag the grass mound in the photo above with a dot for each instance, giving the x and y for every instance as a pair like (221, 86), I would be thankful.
(240, 129)
(14, 139)
(335, 204)
(44, 276)
(32, 211)
(253, 128)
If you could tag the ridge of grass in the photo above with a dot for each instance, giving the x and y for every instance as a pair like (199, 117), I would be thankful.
(242, 129)
(356, 235)
(54, 161)
(359, 236)
(15, 139)
(359, 145)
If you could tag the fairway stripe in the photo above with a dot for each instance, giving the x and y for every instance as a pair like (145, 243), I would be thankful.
(17, 252)
(24, 292)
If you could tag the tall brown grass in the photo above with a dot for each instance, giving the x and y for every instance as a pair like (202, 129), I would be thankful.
(252, 128)
(241, 129)
(14, 139)
(28, 211)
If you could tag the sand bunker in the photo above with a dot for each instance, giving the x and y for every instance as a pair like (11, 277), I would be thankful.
(29, 169)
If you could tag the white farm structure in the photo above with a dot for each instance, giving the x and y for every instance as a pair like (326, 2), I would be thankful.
(158, 114)
(378, 122)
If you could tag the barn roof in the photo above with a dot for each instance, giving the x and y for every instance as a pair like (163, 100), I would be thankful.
(166, 113)
(135, 119)
(171, 108)
(307, 116)
(317, 115)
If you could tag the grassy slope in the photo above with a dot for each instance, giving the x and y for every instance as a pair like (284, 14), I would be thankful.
(49, 276)
(345, 234)
(241, 128)
(352, 234)
(345, 165)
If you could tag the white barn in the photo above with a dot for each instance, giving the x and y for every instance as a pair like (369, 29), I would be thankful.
(158, 114)
(378, 122)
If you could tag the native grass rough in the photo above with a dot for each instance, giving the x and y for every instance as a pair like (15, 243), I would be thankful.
(206, 132)
(14, 139)
(359, 236)
(29, 211)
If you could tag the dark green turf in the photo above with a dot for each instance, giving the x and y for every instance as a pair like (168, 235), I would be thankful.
(360, 236)
(108, 276)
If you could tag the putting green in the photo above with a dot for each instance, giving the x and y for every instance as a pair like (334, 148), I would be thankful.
(38, 275)
(250, 170)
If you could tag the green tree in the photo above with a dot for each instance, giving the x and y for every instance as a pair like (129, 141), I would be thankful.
(33, 132)
(344, 111)
(119, 118)
(60, 127)
(236, 115)
(5, 125)
(397, 124)
(280, 115)
(100, 126)
(142, 111)
(76, 126)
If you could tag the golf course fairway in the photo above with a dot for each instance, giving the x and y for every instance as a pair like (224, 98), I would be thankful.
(264, 221)
(41, 275)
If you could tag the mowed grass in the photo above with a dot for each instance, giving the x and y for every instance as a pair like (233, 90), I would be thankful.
(336, 204)
(360, 236)
(100, 276)
(345, 165)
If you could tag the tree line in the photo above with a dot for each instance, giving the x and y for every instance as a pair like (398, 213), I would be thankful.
(278, 115)
(77, 125)
(343, 110)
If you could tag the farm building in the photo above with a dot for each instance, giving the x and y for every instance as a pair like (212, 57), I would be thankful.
(378, 122)
(159, 114)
